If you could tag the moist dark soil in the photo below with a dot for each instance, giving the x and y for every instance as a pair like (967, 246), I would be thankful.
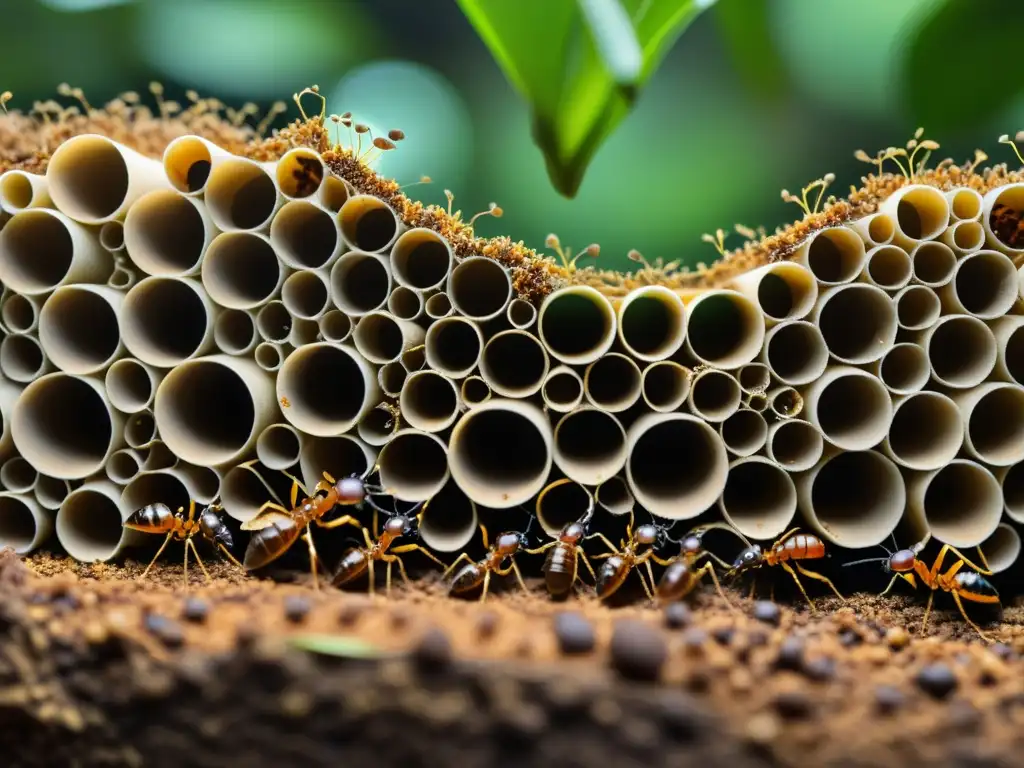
(98, 668)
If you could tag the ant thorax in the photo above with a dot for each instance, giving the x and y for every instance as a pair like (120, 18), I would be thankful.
(749, 558)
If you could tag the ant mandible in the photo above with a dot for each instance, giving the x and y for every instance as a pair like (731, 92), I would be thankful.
(561, 566)
(963, 585)
(681, 575)
(472, 575)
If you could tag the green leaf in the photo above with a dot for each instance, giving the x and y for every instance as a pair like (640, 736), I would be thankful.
(579, 64)
(961, 64)
(745, 29)
(336, 645)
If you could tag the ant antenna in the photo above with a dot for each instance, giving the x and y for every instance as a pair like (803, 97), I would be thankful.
(866, 560)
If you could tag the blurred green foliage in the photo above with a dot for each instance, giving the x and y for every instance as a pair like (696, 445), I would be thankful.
(755, 96)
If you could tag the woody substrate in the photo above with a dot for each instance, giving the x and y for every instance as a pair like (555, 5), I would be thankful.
(100, 669)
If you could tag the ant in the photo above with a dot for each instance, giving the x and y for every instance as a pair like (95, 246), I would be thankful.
(359, 559)
(963, 585)
(792, 546)
(561, 566)
(158, 518)
(681, 575)
(472, 575)
(276, 529)
(623, 559)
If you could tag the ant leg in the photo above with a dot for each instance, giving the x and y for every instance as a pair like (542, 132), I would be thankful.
(387, 576)
(343, 520)
(662, 561)
(586, 562)
(401, 568)
(983, 571)
(367, 539)
(927, 611)
(372, 585)
(892, 583)
(650, 574)
(167, 541)
(191, 510)
(819, 577)
(185, 571)
(611, 547)
(753, 586)
(709, 569)
(786, 567)
(190, 543)
(540, 550)
(271, 505)
(229, 556)
(296, 487)
(650, 594)
(519, 576)
(312, 556)
(416, 548)
(458, 560)
(483, 535)
(487, 583)
(960, 605)
(328, 478)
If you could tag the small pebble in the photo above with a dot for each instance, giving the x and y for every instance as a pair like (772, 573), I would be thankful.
(793, 705)
(791, 654)
(575, 633)
(487, 625)
(820, 669)
(897, 638)
(937, 680)
(169, 632)
(678, 616)
(888, 699)
(848, 638)
(296, 608)
(638, 652)
(349, 614)
(195, 610)
(434, 651)
(1003, 651)
(723, 635)
(694, 641)
(768, 612)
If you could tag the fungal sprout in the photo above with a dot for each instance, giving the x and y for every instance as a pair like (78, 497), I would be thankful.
(76, 93)
(313, 90)
(423, 180)
(911, 169)
(5, 97)
(569, 262)
(1005, 139)
(277, 108)
(821, 185)
(717, 240)
(493, 209)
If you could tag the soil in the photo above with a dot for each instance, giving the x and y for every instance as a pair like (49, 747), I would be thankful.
(100, 668)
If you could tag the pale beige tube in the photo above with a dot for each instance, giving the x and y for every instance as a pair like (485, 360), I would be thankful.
(378, 426)
(875, 229)
(959, 504)
(754, 378)
(123, 465)
(79, 329)
(903, 369)
(965, 204)
(51, 492)
(439, 306)
(480, 288)
(93, 179)
(1011, 481)
(724, 329)
(73, 254)
(167, 320)
(851, 407)
(360, 283)
(665, 385)
(785, 402)
(334, 193)
(22, 359)
(269, 356)
(9, 394)
(234, 332)
(162, 486)
(756, 402)
(933, 263)
(964, 237)
(562, 389)
(993, 416)
(90, 523)
(917, 307)
(20, 313)
(20, 190)
(24, 524)
(853, 499)
(784, 290)
(112, 237)
(405, 303)
(865, 340)
(521, 314)
(562, 502)
(300, 173)
(279, 446)
(241, 270)
(203, 483)
(391, 378)
(795, 352)
(368, 223)
(326, 411)
(241, 195)
(341, 456)
(652, 323)
(413, 466)
(984, 285)
(926, 433)
(888, 267)
(744, 433)
(274, 322)
(612, 383)
(1002, 548)
(122, 279)
(306, 236)
(159, 456)
(577, 325)
(1010, 200)
(382, 338)
(306, 294)
(131, 385)
(834, 255)
(18, 476)
(421, 259)
(453, 346)
(244, 491)
(962, 351)
(794, 445)
(303, 332)
(1010, 348)
(448, 521)
(211, 410)
(759, 499)
(484, 468)
(140, 430)
(714, 395)
(614, 495)
(474, 391)
(920, 212)
(589, 445)
(167, 233)
(69, 449)
(188, 161)
(429, 401)
(335, 326)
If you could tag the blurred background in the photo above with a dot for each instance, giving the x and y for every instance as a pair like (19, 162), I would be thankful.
(756, 96)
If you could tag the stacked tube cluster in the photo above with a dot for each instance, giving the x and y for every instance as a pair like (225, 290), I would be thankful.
(172, 329)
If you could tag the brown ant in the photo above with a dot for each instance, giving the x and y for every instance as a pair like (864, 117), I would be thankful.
(681, 575)
(561, 566)
(620, 561)
(792, 546)
(963, 585)
(472, 575)
(158, 518)
(276, 529)
(359, 559)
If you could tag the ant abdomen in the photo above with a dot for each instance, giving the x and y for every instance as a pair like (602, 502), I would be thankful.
(152, 518)
(468, 577)
(353, 563)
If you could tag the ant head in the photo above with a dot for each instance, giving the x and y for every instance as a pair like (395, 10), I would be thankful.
(573, 533)
(510, 542)
(213, 529)
(649, 533)
(901, 561)
(400, 525)
(350, 490)
(751, 557)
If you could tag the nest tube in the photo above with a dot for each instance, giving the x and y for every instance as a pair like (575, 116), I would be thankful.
(562, 502)
(920, 212)
(480, 288)
(20, 313)
(1011, 481)
(123, 465)
(73, 253)
(888, 267)
(589, 445)
(241, 270)
(903, 369)
(1009, 347)
(724, 329)
(562, 390)
(959, 504)
(515, 364)
(577, 325)
(167, 233)
(714, 395)
(90, 523)
(279, 446)
(340, 455)
(131, 385)
(875, 229)
(1002, 548)
(22, 359)
(784, 290)
(188, 162)
(413, 466)
(368, 224)
(1001, 209)
(20, 190)
(795, 352)
(166, 321)
(448, 520)
(834, 255)
(300, 173)
(360, 283)
(652, 323)
(306, 294)
(18, 476)
(613, 382)
(521, 314)
(429, 401)
(382, 338)
(422, 260)
(241, 195)
(306, 236)
(933, 263)
(453, 346)
(926, 433)
(234, 332)
(984, 284)
(24, 524)
(870, 336)
(759, 499)
(794, 444)
(665, 385)
(917, 308)
(965, 204)
(851, 407)
(964, 237)
(614, 496)
(79, 329)
(993, 419)
(744, 433)
(962, 351)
